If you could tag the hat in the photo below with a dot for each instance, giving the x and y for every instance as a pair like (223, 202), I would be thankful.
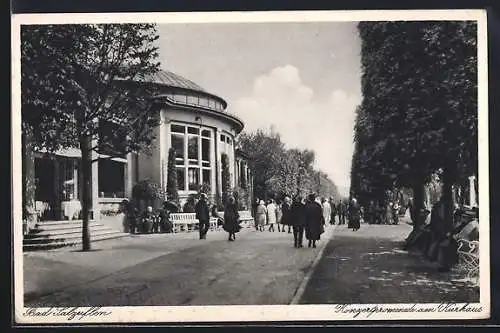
(203, 195)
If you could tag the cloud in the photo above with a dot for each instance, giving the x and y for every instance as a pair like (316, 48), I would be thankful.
(324, 124)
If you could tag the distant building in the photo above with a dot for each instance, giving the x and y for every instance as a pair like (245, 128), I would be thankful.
(193, 121)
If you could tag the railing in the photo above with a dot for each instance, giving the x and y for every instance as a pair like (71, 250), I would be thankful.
(468, 258)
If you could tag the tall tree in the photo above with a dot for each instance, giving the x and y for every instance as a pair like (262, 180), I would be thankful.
(419, 88)
(280, 171)
(265, 150)
(77, 80)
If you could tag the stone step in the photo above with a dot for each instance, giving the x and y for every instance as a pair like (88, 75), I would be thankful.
(72, 242)
(56, 227)
(61, 222)
(56, 233)
(46, 239)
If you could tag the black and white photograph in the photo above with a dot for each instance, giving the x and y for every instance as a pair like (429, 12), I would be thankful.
(250, 166)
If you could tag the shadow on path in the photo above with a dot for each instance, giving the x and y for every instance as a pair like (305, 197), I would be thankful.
(359, 268)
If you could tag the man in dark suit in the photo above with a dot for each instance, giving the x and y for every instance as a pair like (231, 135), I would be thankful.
(203, 215)
(297, 220)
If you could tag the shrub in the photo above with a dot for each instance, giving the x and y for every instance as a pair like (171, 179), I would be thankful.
(172, 186)
(242, 197)
(148, 193)
(226, 181)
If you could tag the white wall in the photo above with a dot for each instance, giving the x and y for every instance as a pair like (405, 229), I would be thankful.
(149, 164)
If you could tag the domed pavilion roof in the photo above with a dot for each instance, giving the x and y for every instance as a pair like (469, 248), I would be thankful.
(167, 78)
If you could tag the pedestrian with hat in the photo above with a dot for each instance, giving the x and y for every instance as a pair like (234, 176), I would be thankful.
(203, 215)
(314, 220)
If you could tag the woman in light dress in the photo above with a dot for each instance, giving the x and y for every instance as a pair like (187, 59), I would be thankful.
(271, 214)
(261, 215)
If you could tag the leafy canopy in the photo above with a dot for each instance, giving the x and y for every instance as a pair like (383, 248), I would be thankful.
(76, 84)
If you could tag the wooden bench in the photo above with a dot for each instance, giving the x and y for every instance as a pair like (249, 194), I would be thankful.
(246, 218)
(213, 224)
(468, 257)
(183, 222)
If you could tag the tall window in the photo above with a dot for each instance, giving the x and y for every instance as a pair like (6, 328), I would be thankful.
(194, 149)
(226, 143)
(111, 179)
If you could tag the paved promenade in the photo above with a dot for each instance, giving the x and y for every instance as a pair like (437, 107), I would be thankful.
(366, 266)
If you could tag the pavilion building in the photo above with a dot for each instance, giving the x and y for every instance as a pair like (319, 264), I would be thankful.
(193, 121)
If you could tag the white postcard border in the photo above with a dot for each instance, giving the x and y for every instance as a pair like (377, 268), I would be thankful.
(268, 312)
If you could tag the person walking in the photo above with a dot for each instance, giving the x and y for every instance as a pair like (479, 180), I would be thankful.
(334, 211)
(231, 219)
(297, 220)
(271, 214)
(254, 213)
(286, 214)
(203, 215)
(354, 215)
(314, 220)
(327, 211)
(341, 209)
(371, 212)
(388, 213)
(124, 210)
(261, 216)
(279, 216)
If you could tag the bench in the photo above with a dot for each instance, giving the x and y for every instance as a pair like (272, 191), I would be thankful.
(468, 257)
(246, 218)
(184, 222)
(213, 224)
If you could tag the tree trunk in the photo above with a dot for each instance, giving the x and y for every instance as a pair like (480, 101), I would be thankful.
(29, 187)
(463, 193)
(418, 203)
(86, 149)
(476, 188)
(448, 199)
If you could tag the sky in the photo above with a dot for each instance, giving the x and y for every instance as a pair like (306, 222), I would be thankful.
(301, 77)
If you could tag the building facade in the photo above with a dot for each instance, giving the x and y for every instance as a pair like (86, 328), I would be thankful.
(192, 121)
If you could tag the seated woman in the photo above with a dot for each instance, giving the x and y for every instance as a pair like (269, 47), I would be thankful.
(164, 218)
(148, 220)
(131, 215)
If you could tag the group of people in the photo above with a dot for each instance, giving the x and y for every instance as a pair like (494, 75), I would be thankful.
(158, 221)
(303, 216)
(148, 221)
(230, 222)
(387, 213)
